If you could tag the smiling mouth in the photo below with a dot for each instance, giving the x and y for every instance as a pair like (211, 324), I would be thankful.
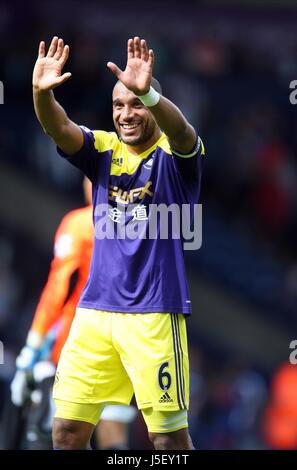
(130, 127)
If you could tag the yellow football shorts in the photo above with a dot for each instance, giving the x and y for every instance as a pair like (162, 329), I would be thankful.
(109, 356)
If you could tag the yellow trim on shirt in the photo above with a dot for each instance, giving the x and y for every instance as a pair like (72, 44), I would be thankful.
(130, 161)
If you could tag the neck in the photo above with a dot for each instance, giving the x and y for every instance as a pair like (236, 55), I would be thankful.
(138, 149)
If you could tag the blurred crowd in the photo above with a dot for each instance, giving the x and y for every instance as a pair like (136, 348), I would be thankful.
(230, 74)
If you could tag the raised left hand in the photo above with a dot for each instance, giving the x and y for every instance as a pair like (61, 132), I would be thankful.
(137, 75)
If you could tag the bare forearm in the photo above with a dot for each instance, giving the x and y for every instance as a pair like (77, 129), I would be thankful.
(170, 119)
(55, 122)
(49, 112)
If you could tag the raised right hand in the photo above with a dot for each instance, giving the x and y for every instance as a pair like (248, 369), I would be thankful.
(47, 73)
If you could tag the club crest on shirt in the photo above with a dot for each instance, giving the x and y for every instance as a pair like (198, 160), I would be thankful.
(148, 165)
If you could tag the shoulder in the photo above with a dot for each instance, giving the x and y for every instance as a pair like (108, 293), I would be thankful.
(163, 144)
(104, 141)
(83, 221)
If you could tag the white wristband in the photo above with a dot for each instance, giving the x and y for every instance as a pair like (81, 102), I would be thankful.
(151, 98)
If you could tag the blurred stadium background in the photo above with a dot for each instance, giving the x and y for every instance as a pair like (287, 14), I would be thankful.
(228, 65)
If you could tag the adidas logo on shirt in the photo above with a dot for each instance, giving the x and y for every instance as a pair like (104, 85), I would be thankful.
(166, 398)
(118, 161)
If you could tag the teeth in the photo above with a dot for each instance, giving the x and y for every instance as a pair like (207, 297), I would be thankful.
(129, 126)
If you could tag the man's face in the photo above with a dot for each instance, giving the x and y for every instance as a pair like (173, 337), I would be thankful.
(133, 122)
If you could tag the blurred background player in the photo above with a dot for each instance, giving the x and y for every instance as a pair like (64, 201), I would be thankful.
(280, 417)
(36, 364)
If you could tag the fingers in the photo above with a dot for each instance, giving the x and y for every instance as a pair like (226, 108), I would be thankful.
(151, 58)
(144, 50)
(59, 50)
(53, 47)
(63, 78)
(137, 50)
(130, 49)
(41, 50)
(64, 56)
(115, 69)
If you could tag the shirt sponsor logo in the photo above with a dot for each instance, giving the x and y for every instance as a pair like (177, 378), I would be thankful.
(128, 197)
(139, 212)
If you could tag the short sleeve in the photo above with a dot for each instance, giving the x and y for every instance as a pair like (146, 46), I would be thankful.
(95, 143)
(197, 151)
(84, 159)
(190, 166)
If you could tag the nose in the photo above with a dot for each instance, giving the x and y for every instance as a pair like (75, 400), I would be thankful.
(126, 113)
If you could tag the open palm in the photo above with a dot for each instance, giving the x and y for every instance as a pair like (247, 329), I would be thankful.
(47, 73)
(137, 75)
